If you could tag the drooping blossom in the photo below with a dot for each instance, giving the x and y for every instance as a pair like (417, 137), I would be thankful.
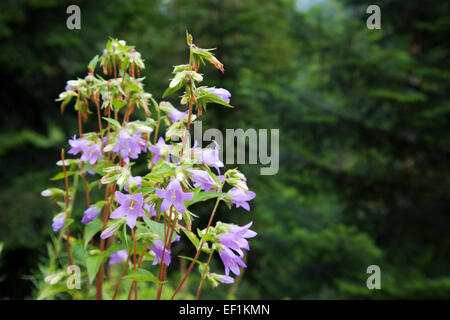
(77, 145)
(233, 242)
(91, 151)
(239, 197)
(176, 115)
(159, 149)
(130, 206)
(202, 179)
(223, 94)
(133, 181)
(90, 214)
(209, 156)
(150, 209)
(174, 195)
(108, 232)
(158, 247)
(225, 279)
(118, 256)
(58, 222)
(129, 146)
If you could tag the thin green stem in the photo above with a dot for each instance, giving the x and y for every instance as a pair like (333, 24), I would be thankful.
(203, 275)
(199, 250)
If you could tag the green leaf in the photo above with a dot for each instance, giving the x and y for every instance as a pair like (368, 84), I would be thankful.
(113, 122)
(93, 264)
(209, 97)
(201, 196)
(60, 175)
(118, 105)
(125, 238)
(191, 259)
(142, 275)
(50, 291)
(170, 90)
(91, 229)
(158, 228)
(79, 254)
(192, 237)
(147, 190)
(93, 63)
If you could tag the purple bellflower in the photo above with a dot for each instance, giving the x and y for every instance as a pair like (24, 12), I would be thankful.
(133, 181)
(58, 222)
(159, 149)
(202, 179)
(226, 279)
(239, 197)
(118, 256)
(91, 151)
(223, 94)
(209, 156)
(150, 209)
(158, 248)
(176, 115)
(174, 195)
(77, 145)
(130, 206)
(129, 146)
(90, 214)
(234, 241)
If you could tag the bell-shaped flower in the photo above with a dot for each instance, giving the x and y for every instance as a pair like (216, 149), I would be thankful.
(223, 94)
(129, 146)
(209, 156)
(118, 256)
(130, 206)
(202, 179)
(150, 209)
(133, 182)
(174, 195)
(158, 247)
(90, 214)
(176, 115)
(91, 151)
(233, 242)
(58, 222)
(159, 150)
(225, 279)
(240, 197)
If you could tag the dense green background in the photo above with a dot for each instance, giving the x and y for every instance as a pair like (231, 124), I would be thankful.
(364, 132)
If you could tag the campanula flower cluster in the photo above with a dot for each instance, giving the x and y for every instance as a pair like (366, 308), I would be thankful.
(146, 181)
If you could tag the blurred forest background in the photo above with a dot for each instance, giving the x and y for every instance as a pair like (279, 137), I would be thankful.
(364, 132)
